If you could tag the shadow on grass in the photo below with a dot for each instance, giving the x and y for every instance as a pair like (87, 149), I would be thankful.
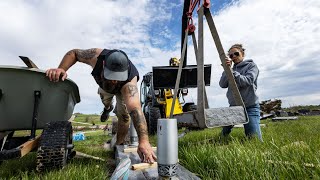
(14, 167)
(25, 167)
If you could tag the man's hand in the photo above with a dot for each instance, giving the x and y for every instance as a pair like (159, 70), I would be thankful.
(54, 74)
(146, 153)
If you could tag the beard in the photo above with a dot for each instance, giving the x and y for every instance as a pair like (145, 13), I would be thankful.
(111, 87)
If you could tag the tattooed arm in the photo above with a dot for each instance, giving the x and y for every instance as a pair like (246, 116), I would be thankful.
(87, 56)
(131, 97)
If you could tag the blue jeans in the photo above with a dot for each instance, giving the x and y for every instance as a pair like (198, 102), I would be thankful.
(252, 128)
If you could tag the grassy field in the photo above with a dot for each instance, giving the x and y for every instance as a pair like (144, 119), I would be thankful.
(91, 119)
(290, 151)
(77, 168)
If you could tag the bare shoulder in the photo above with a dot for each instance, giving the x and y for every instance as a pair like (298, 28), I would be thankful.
(88, 56)
(130, 95)
(130, 89)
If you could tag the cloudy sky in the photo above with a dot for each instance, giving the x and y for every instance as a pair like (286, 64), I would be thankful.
(281, 36)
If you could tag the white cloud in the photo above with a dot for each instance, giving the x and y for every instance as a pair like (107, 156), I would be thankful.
(282, 37)
(46, 30)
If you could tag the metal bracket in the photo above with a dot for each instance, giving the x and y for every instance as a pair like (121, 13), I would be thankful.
(200, 64)
(37, 95)
(195, 46)
(1, 94)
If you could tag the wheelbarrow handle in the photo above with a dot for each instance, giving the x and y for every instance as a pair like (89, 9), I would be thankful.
(28, 62)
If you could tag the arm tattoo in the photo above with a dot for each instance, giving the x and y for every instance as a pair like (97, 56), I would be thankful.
(85, 54)
(139, 123)
(132, 89)
(69, 52)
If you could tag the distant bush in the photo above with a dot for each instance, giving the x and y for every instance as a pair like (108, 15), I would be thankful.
(87, 119)
(301, 107)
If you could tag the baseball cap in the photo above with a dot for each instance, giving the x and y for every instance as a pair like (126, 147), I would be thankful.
(116, 66)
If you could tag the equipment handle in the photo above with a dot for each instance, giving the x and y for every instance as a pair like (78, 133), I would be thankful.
(28, 62)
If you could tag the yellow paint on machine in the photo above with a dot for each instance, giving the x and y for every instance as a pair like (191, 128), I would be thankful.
(168, 101)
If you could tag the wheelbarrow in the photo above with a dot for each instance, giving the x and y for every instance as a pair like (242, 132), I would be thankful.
(29, 101)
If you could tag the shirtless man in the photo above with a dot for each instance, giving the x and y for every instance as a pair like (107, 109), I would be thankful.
(116, 76)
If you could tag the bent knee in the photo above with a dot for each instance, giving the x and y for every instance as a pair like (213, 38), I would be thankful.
(124, 118)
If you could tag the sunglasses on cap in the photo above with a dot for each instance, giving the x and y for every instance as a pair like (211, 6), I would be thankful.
(234, 54)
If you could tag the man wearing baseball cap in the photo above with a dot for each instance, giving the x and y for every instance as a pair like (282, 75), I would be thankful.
(116, 76)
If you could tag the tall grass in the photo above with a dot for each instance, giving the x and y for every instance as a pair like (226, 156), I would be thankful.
(287, 148)
(77, 168)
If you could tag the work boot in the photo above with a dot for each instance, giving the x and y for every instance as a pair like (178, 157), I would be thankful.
(105, 114)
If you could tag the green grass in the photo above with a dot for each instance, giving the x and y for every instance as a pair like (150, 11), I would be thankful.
(91, 119)
(77, 168)
(286, 149)
(278, 157)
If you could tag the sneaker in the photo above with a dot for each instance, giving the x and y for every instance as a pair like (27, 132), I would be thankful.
(105, 114)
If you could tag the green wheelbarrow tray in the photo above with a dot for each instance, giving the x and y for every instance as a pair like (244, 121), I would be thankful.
(21, 88)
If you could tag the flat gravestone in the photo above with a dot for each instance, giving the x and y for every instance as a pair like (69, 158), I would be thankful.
(284, 118)
(149, 173)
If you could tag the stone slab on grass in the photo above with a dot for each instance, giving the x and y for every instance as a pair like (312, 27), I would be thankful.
(149, 173)
(285, 118)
